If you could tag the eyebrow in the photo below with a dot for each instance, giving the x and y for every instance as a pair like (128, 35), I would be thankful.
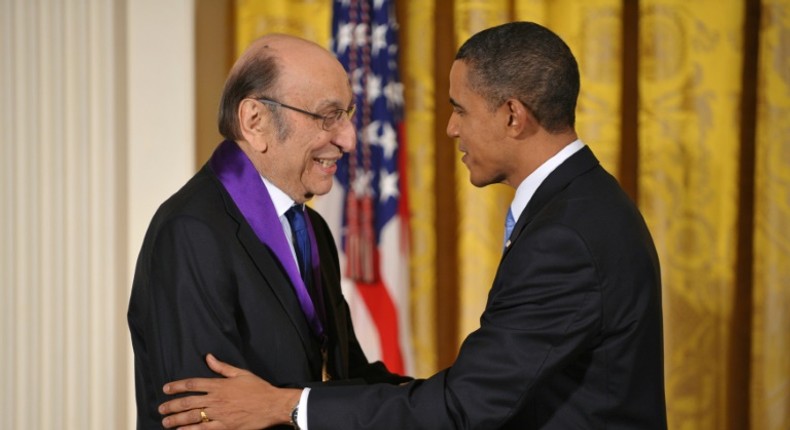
(333, 103)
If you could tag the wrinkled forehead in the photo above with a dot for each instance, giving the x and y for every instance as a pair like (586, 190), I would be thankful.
(315, 72)
(306, 71)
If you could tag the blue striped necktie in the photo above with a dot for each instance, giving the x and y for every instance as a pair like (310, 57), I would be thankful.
(295, 217)
(510, 222)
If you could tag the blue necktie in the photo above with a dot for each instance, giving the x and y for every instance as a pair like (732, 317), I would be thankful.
(295, 217)
(510, 222)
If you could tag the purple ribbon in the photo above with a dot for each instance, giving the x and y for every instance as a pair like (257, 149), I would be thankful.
(243, 182)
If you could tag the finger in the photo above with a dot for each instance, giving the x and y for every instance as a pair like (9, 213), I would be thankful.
(211, 425)
(192, 420)
(190, 385)
(183, 404)
(223, 368)
(191, 416)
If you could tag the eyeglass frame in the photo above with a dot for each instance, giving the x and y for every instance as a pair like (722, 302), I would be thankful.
(336, 115)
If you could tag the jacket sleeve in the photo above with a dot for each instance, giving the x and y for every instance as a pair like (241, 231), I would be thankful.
(182, 307)
(542, 311)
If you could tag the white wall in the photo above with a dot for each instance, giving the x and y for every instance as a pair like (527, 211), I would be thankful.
(161, 107)
(96, 129)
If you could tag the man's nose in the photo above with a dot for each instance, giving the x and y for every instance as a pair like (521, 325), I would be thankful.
(346, 138)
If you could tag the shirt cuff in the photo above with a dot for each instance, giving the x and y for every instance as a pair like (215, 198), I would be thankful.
(301, 418)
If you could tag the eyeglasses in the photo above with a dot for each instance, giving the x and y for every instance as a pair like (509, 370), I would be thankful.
(327, 121)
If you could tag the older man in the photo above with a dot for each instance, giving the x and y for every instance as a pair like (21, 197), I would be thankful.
(234, 263)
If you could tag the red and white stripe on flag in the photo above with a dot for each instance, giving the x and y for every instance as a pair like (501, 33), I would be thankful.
(367, 207)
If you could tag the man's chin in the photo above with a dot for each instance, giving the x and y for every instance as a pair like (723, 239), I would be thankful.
(320, 188)
(477, 182)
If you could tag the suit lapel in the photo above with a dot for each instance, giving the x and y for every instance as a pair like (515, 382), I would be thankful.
(577, 164)
(336, 323)
(271, 272)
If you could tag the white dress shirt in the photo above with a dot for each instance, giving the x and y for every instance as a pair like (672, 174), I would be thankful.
(282, 202)
(530, 184)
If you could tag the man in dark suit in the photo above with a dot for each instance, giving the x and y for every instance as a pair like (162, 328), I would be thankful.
(220, 271)
(571, 335)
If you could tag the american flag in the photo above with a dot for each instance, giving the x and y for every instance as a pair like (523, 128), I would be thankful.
(367, 207)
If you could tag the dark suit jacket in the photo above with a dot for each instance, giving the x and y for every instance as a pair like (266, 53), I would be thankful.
(204, 283)
(570, 338)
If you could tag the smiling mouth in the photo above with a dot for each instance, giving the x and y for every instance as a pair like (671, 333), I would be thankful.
(326, 162)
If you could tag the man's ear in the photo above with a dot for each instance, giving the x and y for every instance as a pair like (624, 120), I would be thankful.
(251, 124)
(520, 120)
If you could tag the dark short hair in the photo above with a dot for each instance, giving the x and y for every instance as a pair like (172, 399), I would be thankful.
(526, 61)
(256, 77)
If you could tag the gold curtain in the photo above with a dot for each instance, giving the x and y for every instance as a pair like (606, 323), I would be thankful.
(309, 19)
(770, 381)
(593, 31)
(689, 179)
(481, 212)
(417, 74)
(690, 77)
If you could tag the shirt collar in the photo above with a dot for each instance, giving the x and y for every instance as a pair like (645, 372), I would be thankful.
(280, 200)
(530, 184)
